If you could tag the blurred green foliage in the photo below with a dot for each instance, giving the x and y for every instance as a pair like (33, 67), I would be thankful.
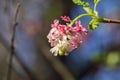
(112, 59)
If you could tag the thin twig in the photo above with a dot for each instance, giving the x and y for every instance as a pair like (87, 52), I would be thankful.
(12, 48)
(7, 5)
(106, 20)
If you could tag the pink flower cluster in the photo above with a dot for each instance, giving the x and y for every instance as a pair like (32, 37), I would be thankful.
(64, 38)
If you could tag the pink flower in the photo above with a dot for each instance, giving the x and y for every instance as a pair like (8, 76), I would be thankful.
(56, 23)
(64, 39)
(65, 18)
(79, 28)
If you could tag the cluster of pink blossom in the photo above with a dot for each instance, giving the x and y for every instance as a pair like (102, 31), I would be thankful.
(65, 38)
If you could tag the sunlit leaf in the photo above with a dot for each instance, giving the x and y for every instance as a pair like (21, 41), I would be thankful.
(81, 3)
(93, 24)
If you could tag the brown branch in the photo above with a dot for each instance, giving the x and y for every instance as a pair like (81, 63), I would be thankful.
(12, 48)
(106, 20)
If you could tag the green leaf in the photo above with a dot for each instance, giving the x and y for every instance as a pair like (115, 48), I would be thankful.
(93, 24)
(81, 3)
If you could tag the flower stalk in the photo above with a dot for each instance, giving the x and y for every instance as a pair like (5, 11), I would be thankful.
(79, 17)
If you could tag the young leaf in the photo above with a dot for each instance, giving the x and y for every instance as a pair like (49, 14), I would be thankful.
(81, 3)
(93, 24)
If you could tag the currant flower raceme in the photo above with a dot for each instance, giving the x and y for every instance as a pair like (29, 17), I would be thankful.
(64, 38)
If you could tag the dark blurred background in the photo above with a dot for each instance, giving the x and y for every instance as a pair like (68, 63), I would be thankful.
(97, 59)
